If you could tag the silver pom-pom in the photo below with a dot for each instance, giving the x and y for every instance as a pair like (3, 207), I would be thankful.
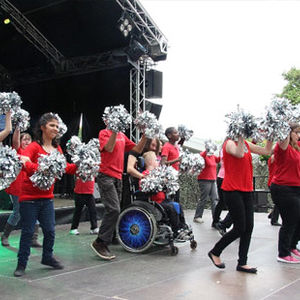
(162, 178)
(10, 166)
(86, 157)
(62, 127)
(210, 147)
(50, 167)
(20, 118)
(148, 124)
(184, 132)
(117, 118)
(191, 163)
(275, 125)
(242, 124)
(9, 101)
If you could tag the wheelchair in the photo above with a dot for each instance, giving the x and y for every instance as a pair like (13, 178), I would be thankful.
(145, 223)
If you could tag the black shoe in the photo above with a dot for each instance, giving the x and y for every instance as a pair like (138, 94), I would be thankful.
(55, 264)
(220, 266)
(20, 271)
(102, 250)
(251, 270)
(275, 223)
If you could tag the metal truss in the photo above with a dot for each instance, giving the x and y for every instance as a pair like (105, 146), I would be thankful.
(137, 96)
(144, 23)
(74, 66)
(32, 34)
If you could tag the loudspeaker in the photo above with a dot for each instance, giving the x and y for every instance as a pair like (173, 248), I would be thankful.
(153, 108)
(153, 84)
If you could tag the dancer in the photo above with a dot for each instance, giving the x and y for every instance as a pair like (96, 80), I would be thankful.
(83, 196)
(113, 145)
(20, 143)
(274, 214)
(207, 184)
(170, 152)
(238, 187)
(285, 191)
(221, 225)
(37, 204)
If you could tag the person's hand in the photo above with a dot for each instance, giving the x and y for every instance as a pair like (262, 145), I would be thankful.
(24, 159)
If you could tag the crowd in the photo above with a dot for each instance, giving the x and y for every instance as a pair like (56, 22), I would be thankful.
(231, 188)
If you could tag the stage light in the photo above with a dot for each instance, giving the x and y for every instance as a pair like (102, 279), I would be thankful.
(6, 21)
(125, 26)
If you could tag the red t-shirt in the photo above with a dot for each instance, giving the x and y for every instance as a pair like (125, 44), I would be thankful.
(272, 169)
(288, 166)
(112, 163)
(28, 191)
(15, 187)
(171, 152)
(84, 187)
(238, 171)
(210, 170)
(159, 197)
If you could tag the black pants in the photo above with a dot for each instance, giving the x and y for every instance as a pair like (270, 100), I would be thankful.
(240, 205)
(172, 215)
(221, 205)
(80, 201)
(287, 199)
(274, 215)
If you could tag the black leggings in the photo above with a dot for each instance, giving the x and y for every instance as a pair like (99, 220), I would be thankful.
(240, 205)
(287, 199)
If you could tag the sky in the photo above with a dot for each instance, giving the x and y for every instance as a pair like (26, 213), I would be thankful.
(223, 54)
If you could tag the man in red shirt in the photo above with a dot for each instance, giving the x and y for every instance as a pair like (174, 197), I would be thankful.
(113, 145)
(170, 152)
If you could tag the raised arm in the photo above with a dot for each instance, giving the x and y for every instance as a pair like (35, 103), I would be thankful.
(266, 150)
(4, 133)
(16, 139)
(234, 149)
(110, 145)
(141, 144)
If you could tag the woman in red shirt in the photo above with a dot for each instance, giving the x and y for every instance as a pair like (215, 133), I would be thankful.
(37, 204)
(285, 190)
(238, 186)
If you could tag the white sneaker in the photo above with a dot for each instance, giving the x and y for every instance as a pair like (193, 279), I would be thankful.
(74, 232)
(198, 220)
(94, 231)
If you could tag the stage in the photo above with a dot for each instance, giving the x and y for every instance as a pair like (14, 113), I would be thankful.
(155, 274)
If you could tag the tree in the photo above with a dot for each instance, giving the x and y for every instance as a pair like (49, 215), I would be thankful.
(292, 90)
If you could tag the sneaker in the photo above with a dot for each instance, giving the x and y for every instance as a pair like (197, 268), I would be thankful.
(288, 260)
(296, 253)
(182, 236)
(55, 264)
(74, 232)
(94, 231)
(20, 271)
(102, 250)
(198, 220)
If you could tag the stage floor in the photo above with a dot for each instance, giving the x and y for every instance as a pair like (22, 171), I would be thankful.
(155, 274)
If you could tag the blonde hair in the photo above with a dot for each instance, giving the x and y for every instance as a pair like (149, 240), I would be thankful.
(148, 157)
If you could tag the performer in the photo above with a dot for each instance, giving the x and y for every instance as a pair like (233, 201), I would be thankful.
(207, 184)
(113, 145)
(20, 143)
(285, 191)
(37, 204)
(274, 214)
(238, 187)
(170, 152)
(83, 196)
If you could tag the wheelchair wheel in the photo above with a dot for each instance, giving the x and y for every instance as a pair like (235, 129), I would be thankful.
(174, 250)
(193, 244)
(136, 229)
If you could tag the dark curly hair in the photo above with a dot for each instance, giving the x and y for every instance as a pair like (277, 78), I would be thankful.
(38, 133)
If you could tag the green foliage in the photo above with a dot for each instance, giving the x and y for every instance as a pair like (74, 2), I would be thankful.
(292, 90)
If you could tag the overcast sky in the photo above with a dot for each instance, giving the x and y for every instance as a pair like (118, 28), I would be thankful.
(223, 53)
